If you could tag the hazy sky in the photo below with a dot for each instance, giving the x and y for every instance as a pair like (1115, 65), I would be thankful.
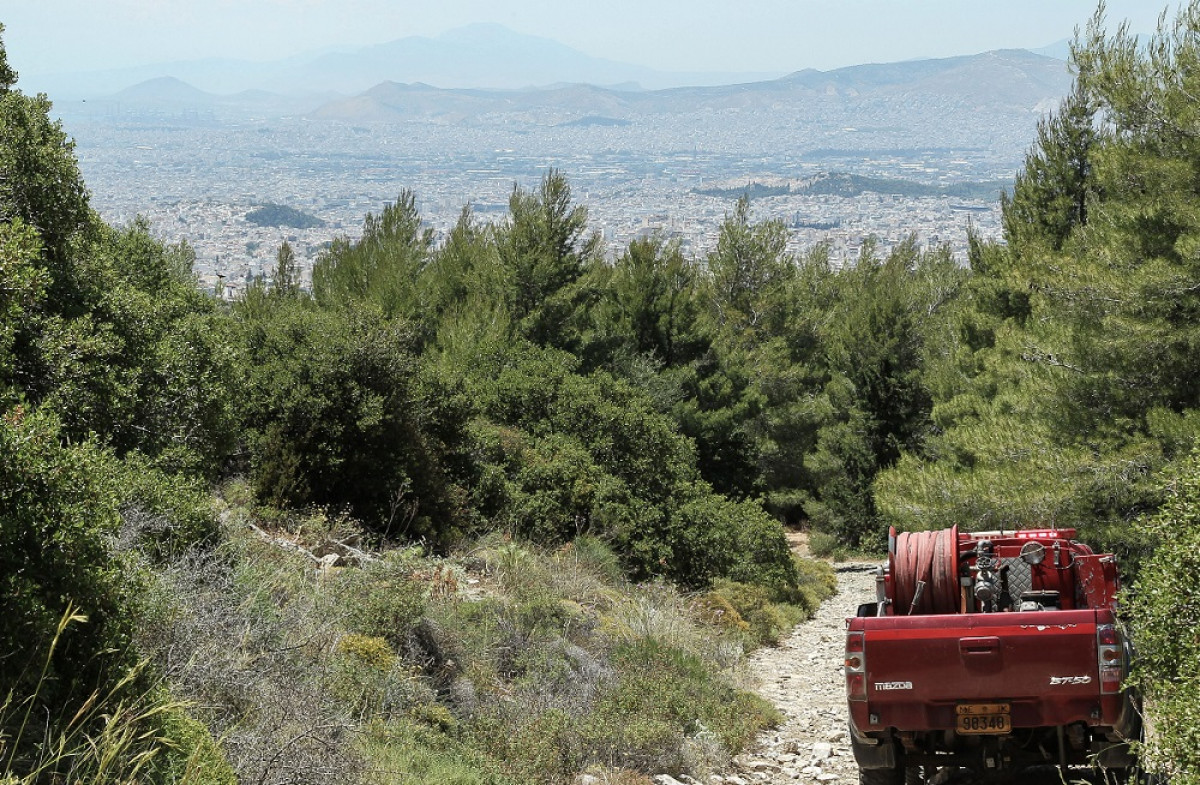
(46, 36)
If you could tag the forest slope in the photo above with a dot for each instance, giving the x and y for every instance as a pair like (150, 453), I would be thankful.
(509, 395)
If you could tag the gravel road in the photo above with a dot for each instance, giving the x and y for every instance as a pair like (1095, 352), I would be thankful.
(803, 677)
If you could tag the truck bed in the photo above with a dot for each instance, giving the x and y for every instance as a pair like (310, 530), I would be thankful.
(925, 672)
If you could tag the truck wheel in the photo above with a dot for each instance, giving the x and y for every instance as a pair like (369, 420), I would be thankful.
(881, 776)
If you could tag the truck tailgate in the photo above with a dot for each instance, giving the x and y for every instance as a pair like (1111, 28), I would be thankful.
(922, 670)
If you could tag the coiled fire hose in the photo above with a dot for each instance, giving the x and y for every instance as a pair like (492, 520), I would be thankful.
(925, 572)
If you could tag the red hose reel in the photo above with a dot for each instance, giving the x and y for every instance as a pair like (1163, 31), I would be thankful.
(924, 569)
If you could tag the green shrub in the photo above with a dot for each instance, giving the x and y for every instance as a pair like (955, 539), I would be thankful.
(545, 614)
(587, 574)
(763, 555)
(114, 737)
(817, 576)
(481, 631)
(598, 557)
(373, 652)
(339, 411)
(826, 546)
(715, 609)
(552, 491)
(163, 515)
(435, 715)
(192, 756)
(417, 753)
(520, 572)
(655, 611)
(706, 536)
(1163, 609)
(662, 696)
(816, 582)
(382, 599)
(566, 455)
(365, 675)
(767, 620)
(58, 518)
(534, 747)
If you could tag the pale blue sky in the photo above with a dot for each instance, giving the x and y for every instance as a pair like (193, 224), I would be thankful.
(46, 36)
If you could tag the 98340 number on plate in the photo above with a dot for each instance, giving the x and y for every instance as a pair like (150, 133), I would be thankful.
(993, 718)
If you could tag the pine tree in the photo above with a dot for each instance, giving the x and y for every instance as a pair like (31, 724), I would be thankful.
(748, 272)
(1051, 194)
(8, 77)
(383, 267)
(287, 272)
(544, 250)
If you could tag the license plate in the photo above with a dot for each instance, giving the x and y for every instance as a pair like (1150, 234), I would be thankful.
(993, 718)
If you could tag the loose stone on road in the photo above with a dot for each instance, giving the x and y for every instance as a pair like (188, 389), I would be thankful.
(803, 677)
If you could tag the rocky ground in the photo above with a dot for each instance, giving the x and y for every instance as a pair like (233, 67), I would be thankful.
(803, 677)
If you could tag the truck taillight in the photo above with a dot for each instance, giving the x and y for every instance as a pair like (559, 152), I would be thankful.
(856, 667)
(1110, 658)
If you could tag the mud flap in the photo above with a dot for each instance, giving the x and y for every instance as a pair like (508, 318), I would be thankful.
(872, 753)
(1116, 751)
(1112, 754)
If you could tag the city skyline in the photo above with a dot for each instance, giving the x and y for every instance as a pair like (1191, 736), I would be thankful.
(54, 36)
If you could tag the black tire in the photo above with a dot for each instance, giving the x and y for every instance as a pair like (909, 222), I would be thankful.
(914, 775)
(881, 776)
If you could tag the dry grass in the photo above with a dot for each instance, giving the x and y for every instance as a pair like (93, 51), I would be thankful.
(503, 665)
(120, 737)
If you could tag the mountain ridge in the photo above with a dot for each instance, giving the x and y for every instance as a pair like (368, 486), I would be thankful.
(480, 55)
(487, 56)
(1003, 80)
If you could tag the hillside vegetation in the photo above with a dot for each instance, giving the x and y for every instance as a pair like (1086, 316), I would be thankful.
(281, 215)
(849, 185)
(496, 509)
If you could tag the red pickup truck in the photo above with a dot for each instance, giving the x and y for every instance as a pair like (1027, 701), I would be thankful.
(990, 651)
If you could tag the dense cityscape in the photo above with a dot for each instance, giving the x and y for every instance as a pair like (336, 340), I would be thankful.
(194, 176)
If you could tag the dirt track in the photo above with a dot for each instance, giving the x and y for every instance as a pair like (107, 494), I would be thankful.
(803, 677)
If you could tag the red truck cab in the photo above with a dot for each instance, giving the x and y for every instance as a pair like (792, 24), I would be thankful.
(991, 651)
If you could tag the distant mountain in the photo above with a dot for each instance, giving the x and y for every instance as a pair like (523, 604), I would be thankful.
(1013, 82)
(165, 91)
(480, 55)
(1060, 50)
(476, 56)
(1012, 77)
(171, 96)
